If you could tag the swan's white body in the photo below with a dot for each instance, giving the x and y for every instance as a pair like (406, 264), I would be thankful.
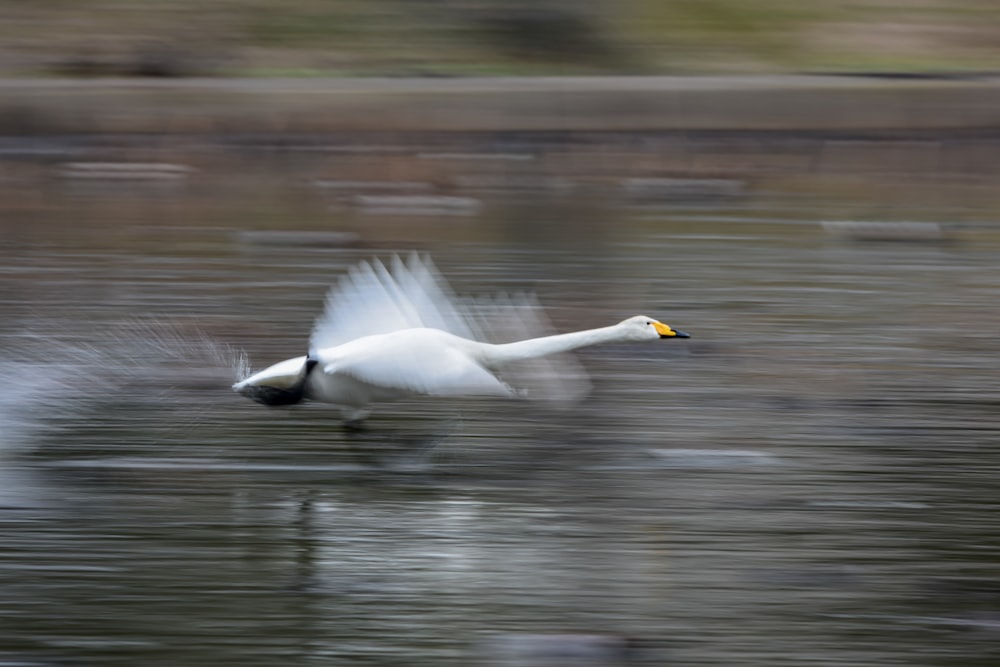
(420, 341)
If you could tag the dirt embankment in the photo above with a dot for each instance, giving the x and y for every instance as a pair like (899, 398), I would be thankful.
(543, 104)
(776, 132)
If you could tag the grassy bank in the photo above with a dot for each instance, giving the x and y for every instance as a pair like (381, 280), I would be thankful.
(485, 37)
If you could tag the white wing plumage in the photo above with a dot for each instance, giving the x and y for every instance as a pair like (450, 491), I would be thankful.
(507, 318)
(372, 300)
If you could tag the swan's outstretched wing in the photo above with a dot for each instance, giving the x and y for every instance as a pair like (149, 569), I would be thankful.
(372, 299)
(559, 379)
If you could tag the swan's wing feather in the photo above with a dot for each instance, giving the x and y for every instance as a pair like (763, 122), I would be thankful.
(430, 298)
(505, 318)
(372, 299)
(360, 304)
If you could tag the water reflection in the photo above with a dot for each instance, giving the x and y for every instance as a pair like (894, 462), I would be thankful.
(812, 479)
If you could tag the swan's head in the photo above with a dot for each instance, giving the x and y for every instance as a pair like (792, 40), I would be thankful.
(641, 327)
(281, 384)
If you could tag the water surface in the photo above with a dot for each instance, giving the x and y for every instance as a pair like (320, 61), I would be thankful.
(811, 479)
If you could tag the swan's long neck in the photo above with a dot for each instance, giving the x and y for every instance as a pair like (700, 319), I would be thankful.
(497, 355)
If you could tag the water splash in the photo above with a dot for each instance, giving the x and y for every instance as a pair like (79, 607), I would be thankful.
(48, 383)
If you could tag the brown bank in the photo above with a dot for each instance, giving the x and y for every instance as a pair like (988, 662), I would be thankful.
(775, 131)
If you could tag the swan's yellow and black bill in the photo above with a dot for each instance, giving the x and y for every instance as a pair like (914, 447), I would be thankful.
(667, 332)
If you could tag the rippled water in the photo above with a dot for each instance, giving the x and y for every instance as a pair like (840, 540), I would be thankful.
(811, 479)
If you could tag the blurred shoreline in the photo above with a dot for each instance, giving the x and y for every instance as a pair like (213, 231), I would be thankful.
(772, 103)
(910, 143)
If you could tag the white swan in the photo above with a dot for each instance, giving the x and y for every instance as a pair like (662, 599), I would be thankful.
(386, 335)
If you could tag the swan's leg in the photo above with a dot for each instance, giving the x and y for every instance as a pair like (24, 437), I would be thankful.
(354, 418)
(363, 447)
(425, 445)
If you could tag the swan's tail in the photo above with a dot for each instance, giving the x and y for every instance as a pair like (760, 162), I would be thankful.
(281, 384)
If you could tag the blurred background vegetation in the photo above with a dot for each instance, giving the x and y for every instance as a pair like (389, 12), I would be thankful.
(513, 37)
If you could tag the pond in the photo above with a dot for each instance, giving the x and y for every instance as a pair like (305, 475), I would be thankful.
(810, 479)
